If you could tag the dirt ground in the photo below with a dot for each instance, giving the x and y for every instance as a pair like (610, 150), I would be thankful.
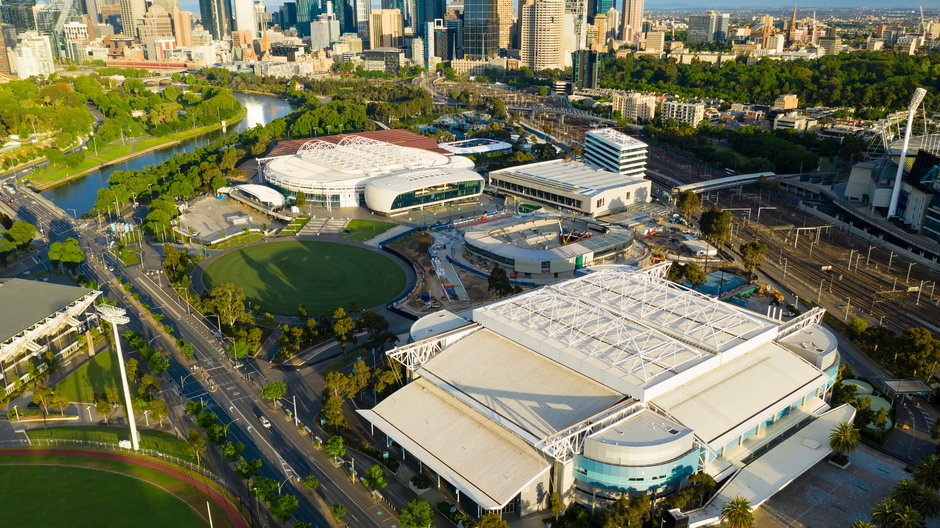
(415, 248)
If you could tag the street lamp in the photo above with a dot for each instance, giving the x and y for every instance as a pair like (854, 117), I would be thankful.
(115, 316)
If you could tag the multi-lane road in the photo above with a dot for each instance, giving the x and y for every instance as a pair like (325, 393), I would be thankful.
(230, 391)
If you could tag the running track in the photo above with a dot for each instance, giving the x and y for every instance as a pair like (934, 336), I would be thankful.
(201, 486)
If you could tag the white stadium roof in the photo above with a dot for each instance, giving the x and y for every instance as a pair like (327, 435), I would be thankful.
(262, 193)
(568, 176)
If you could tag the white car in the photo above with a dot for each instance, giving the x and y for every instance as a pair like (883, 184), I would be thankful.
(264, 422)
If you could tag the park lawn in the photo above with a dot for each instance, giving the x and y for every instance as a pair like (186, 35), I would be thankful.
(51, 491)
(362, 230)
(322, 276)
(149, 438)
(96, 376)
(238, 240)
(51, 174)
(128, 256)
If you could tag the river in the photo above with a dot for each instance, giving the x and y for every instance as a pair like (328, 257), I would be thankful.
(77, 197)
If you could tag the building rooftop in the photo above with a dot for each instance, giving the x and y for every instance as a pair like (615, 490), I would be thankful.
(619, 139)
(27, 303)
(420, 179)
(569, 176)
(436, 323)
(475, 146)
(644, 428)
(541, 238)
(402, 138)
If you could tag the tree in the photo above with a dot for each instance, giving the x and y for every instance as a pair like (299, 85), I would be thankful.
(68, 253)
(695, 275)
(148, 381)
(228, 301)
(492, 520)
(21, 233)
(927, 472)
(264, 488)
(301, 199)
(337, 510)
(856, 327)
(59, 401)
(196, 444)
(359, 377)
(884, 513)
(374, 478)
(311, 483)
(935, 429)
(334, 447)
(343, 325)
(104, 408)
(861, 524)
(274, 390)
(843, 439)
(737, 513)
(498, 282)
(247, 468)
(42, 395)
(752, 253)
(688, 203)
(908, 518)
(417, 514)
(283, 507)
(906, 493)
(716, 226)
(158, 410)
(130, 367)
(232, 450)
(555, 505)
(332, 412)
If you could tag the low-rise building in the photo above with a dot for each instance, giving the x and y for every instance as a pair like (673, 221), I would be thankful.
(690, 113)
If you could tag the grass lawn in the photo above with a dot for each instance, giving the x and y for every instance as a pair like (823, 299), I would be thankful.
(149, 438)
(129, 256)
(294, 226)
(237, 240)
(362, 230)
(94, 377)
(322, 276)
(50, 491)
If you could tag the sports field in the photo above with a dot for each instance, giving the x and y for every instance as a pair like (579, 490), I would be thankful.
(52, 491)
(322, 276)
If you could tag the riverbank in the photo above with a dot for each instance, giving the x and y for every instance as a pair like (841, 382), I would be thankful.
(45, 181)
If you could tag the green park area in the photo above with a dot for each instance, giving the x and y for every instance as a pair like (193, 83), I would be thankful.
(50, 491)
(149, 438)
(320, 275)
(362, 230)
(96, 376)
(238, 240)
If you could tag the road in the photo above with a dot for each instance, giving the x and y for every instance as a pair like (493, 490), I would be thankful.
(230, 392)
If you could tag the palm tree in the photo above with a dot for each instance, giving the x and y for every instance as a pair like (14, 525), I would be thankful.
(884, 512)
(928, 503)
(907, 518)
(927, 472)
(862, 524)
(737, 513)
(906, 493)
(843, 440)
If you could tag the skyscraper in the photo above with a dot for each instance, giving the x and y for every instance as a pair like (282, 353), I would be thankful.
(307, 12)
(631, 20)
(427, 11)
(480, 29)
(540, 33)
(132, 11)
(182, 27)
(504, 11)
(584, 69)
(245, 16)
(386, 29)
(216, 15)
(710, 27)
(363, 9)
(18, 13)
(7, 43)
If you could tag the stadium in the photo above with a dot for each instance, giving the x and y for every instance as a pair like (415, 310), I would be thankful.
(547, 244)
(388, 171)
(614, 383)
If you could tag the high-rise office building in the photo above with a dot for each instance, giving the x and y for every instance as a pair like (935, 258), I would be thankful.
(182, 27)
(584, 65)
(504, 11)
(286, 16)
(540, 33)
(426, 11)
(454, 22)
(722, 23)
(324, 31)
(19, 14)
(386, 29)
(613, 24)
(631, 22)
(155, 24)
(830, 45)
(709, 27)
(245, 19)
(132, 11)
(307, 12)
(216, 16)
(600, 32)
(363, 9)
(606, 148)
(7, 43)
(90, 8)
(33, 56)
(480, 29)
(602, 6)
(577, 13)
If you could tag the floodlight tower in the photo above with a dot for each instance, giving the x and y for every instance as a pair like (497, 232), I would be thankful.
(115, 316)
(896, 192)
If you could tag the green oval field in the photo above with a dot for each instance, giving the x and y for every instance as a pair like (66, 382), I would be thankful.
(279, 276)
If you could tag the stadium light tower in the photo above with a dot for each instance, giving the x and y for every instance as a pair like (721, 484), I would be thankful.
(896, 192)
(115, 316)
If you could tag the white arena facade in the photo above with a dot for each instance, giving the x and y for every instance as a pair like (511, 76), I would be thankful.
(359, 170)
(617, 382)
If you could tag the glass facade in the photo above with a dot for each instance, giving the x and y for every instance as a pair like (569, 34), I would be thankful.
(480, 29)
(636, 478)
(440, 193)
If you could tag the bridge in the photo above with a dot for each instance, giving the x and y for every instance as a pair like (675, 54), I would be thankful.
(740, 180)
(559, 111)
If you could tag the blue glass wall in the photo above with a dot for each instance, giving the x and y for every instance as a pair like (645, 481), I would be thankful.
(635, 478)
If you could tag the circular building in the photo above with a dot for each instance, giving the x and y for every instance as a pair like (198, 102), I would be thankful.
(336, 174)
(547, 244)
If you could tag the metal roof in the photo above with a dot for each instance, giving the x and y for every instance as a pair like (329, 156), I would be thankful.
(619, 139)
(262, 193)
(571, 176)
(26, 303)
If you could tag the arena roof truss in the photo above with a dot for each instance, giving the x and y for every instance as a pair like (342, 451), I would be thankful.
(570, 441)
(657, 270)
(414, 355)
(810, 318)
(357, 153)
(585, 325)
(682, 314)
